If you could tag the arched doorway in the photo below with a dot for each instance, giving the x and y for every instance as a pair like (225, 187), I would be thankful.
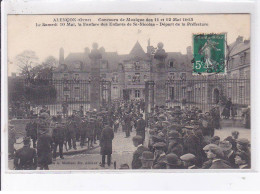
(215, 98)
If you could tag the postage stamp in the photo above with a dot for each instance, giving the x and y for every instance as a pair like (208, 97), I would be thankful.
(209, 53)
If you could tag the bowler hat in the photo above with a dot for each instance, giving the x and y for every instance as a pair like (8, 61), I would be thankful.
(225, 145)
(172, 160)
(138, 139)
(147, 156)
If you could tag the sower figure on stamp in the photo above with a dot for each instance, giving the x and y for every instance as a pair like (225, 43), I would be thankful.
(106, 139)
(26, 157)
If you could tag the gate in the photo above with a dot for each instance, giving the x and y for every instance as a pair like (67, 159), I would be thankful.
(202, 93)
(27, 96)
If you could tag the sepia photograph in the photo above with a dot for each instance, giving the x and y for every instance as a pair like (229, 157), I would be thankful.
(132, 92)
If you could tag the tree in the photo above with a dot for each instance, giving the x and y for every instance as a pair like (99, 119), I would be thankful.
(26, 61)
(50, 61)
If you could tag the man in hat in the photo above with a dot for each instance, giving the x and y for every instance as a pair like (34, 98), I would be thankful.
(140, 127)
(242, 159)
(189, 161)
(83, 131)
(58, 136)
(127, 122)
(71, 133)
(44, 149)
(172, 161)
(26, 157)
(138, 142)
(11, 140)
(243, 145)
(31, 131)
(215, 140)
(216, 154)
(147, 160)
(175, 143)
(159, 156)
(229, 154)
(106, 139)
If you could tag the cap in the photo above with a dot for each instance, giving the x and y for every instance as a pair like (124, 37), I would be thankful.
(159, 145)
(214, 149)
(147, 156)
(188, 157)
(225, 145)
(243, 141)
(174, 135)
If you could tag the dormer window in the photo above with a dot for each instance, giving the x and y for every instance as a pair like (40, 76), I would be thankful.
(171, 63)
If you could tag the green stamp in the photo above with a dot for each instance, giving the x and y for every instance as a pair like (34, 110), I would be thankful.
(209, 53)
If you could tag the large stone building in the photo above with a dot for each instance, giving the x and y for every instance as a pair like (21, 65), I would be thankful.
(127, 73)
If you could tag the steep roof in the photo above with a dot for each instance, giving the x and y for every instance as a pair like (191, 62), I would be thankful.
(137, 51)
(238, 47)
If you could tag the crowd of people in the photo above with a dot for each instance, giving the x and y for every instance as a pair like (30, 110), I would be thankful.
(184, 139)
(177, 138)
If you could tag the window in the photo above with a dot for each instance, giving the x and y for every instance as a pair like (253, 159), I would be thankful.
(145, 78)
(137, 65)
(183, 92)
(103, 75)
(171, 64)
(66, 76)
(115, 78)
(183, 76)
(76, 92)
(137, 93)
(136, 78)
(229, 91)
(241, 91)
(129, 78)
(203, 93)
(172, 93)
(76, 76)
(172, 76)
(241, 73)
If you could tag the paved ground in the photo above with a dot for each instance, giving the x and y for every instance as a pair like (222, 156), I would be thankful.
(123, 149)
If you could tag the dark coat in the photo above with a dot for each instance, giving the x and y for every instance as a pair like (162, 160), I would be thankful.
(219, 164)
(106, 138)
(44, 147)
(25, 159)
(160, 162)
(140, 128)
(136, 162)
(176, 148)
(58, 134)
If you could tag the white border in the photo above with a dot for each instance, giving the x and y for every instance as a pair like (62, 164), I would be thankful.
(230, 180)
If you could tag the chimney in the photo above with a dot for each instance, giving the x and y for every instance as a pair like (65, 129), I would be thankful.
(61, 59)
(239, 39)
